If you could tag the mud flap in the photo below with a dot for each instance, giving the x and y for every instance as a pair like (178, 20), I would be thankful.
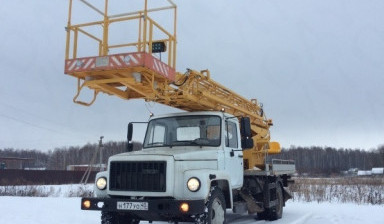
(251, 203)
(286, 194)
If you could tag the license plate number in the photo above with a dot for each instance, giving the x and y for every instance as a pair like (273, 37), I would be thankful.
(142, 206)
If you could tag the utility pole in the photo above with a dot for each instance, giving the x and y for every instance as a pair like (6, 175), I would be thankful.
(84, 179)
(101, 152)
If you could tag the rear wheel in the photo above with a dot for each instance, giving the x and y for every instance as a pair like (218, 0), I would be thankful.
(116, 218)
(263, 215)
(275, 212)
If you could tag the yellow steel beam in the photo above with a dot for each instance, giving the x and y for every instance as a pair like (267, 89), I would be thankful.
(75, 44)
(139, 46)
(92, 7)
(141, 11)
(173, 65)
(88, 24)
(68, 30)
(145, 25)
(110, 90)
(105, 29)
(160, 27)
(108, 80)
(88, 34)
(124, 19)
(150, 36)
(123, 45)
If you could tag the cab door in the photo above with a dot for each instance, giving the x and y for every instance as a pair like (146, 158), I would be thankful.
(233, 153)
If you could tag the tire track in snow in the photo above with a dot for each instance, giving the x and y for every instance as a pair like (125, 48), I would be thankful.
(247, 219)
(302, 220)
(238, 218)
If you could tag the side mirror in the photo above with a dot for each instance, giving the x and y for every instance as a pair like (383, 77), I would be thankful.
(130, 147)
(246, 133)
(245, 127)
(130, 131)
(246, 143)
(129, 138)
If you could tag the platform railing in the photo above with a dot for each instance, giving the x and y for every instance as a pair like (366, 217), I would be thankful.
(282, 161)
(145, 35)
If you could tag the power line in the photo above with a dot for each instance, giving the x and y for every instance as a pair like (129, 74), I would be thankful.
(39, 117)
(29, 113)
(29, 123)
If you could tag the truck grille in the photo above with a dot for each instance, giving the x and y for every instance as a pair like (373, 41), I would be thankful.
(148, 176)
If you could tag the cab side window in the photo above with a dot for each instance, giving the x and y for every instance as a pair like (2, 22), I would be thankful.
(231, 135)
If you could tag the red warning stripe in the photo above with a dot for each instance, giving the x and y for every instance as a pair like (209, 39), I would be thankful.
(119, 61)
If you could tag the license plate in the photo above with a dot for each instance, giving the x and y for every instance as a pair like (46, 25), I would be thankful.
(142, 206)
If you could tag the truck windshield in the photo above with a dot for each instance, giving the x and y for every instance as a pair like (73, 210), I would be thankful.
(184, 131)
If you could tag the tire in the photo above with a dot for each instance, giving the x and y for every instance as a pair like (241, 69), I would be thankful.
(115, 218)
(215, 209)
(263, 215)
(276, 212)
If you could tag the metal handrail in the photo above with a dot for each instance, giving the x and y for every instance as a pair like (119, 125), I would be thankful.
(282, 161)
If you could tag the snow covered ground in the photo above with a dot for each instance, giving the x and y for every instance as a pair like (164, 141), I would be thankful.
(61, 210)
(65, 190)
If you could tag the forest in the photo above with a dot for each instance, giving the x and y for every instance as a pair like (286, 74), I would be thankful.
(309, 160)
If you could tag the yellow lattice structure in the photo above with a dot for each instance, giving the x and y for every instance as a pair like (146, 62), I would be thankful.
(111, 73)
(141, 75)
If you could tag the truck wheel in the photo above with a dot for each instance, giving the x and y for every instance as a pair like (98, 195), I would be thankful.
(277, 211)
(215, 209)
(115, 218)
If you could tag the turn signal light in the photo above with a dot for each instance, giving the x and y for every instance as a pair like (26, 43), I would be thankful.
(184, 207)
(86, 204)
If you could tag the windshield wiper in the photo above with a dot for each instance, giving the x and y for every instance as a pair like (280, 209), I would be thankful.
(198, 141)
(182, 142)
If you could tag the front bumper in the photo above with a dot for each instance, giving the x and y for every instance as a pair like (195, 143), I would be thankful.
(158, 209)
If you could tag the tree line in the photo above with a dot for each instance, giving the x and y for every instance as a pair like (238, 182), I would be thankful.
(311, 160)
(60, 158)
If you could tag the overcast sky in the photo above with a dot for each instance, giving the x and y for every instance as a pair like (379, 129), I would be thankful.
(316, 65)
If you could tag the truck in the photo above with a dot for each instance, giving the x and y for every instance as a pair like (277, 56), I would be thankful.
(194, 165)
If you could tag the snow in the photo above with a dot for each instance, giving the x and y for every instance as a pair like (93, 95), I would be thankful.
(49, 210)
(320, 213)
(65, 190)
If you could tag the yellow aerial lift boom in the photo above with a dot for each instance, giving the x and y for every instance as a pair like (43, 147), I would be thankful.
(135, 72)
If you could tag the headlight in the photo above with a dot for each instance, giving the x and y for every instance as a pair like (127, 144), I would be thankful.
(101, 183)
(193, 184)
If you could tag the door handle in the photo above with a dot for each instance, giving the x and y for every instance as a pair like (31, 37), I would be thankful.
(240, 156)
